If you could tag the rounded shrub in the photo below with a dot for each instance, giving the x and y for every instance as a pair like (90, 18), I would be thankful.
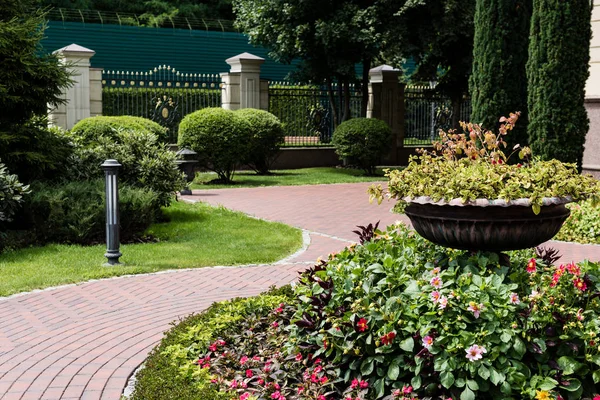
(11, 194)
(266, 137)
(362, 141)
(92, 129)
(145, 162)
(219, 136)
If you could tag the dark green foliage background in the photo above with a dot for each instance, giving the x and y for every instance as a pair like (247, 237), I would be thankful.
(557, 71)
(266, 137)
(498, 83)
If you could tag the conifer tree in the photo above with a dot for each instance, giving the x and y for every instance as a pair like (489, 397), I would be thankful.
(498, 83)
(557, 71)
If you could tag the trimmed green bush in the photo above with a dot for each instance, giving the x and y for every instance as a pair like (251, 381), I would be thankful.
(498, 82)
(94, 128)
(362, 141)
(557, 72)
(219, 136)
(146, 163)
(583, 225)
(171, 371)
(75, 212)
(266, 136)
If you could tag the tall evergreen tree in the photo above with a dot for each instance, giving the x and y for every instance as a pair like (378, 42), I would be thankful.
(498, 84)
(557, 71)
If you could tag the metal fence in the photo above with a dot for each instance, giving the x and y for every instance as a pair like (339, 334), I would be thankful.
(426, 112)
(306, 113)
(163, 94)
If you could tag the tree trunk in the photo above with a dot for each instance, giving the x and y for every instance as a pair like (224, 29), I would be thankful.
(347, 112)
(456, 100)
(334, 113)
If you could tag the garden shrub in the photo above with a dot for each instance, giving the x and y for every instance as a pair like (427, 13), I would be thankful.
(94, 128)
(74, 212)
(583, 225)
(171, 370)
(266, 136)
(219, 136)
(146, 163)
(362, 141)
(11, 194)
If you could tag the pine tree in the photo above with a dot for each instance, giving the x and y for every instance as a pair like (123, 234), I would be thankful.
(557, 71)
(498, 84)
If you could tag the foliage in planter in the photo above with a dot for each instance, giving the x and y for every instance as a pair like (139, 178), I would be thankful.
(583, 225)
(266, 136)
(146, 163)
(172, 372)
(472, 166)
(74, 212)
(219, 136)
(452, 325)
(362, 141)
(93, 129)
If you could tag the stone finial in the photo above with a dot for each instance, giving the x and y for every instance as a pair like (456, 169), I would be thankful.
(245, 62)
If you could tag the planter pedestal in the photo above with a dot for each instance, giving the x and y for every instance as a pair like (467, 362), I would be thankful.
(490, 228)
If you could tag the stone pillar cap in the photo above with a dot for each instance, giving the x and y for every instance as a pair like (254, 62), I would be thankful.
(384, 73)
(245, 62)
(76, 50)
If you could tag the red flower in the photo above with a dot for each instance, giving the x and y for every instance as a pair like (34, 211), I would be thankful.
(249, 373)
(298, 357)
(532, 266)
(580, 284)
(388, 339)
(362, 325)
(364, 384)
(596, 397)
(354, 383)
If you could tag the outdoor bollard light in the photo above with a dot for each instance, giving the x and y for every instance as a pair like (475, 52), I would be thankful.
(111, 169)
(186, 163)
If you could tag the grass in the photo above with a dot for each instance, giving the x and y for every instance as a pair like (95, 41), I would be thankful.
(292, 177)
(196, 236)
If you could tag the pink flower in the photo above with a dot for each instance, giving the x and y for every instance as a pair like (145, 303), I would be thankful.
(475, 352)
(427, 342)
(276, 395)
(573, 269)
(580, 316)
(324, 380)
(249, 373)
(531, 266)
(364, 384)
(436, 282)
(213, 347)
(321, 397)
(233, 384)
(443, 302)
(299, 357)
(407, 389)
(435, 296)
(514, 298)
(245, 396)
(275, 324)
(435, 271)
(354, 383)
(580, 284)
(596, 397)
(475, 308)
(362, 325)
(243, 360)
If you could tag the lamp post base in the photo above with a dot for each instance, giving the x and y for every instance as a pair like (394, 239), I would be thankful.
(185, 192)
(113, 259)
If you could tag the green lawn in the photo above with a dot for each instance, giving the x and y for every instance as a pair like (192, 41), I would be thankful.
(289, 177)
(196, 236)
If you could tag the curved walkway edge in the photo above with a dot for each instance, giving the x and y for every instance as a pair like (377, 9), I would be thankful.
(84, 341)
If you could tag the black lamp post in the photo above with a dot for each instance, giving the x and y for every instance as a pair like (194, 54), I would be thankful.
(186, 162)
(111, 170)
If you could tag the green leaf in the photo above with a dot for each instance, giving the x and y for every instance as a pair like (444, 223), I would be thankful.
(568, 365)
(519, 347)
(505, 337)
(548, 384)
(467, 394)
(574, 385)
(379, 387)
(416, 382)
(596, 376)
(472, 384)
(447, 379)
(536, 208)
(366, 368)
(496, 377)
(483, 372)
(407, 344)
(393, 370)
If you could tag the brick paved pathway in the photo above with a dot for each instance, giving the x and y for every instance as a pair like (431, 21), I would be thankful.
(83, 341)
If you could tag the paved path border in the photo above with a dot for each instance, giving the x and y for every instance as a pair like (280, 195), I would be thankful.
(83, 341)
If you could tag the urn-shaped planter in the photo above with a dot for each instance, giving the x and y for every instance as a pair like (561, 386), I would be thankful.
(487, 225)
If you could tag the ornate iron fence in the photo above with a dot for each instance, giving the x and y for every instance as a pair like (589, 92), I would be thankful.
(306, 113)
(427, 111)
(163, 94)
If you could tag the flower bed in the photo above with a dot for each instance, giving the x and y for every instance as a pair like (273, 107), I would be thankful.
(398, 317)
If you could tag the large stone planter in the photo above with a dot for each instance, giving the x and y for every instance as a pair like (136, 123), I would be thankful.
(487, 225)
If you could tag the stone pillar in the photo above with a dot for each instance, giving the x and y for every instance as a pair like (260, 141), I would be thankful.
(77, 59)
(386, 102)
(95, 92)
(242, 85)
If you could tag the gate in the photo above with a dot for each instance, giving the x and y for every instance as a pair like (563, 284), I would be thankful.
(163, 94)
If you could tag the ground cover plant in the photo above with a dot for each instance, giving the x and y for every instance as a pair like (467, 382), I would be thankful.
(224, 237)
(290, 177)
(583, 225)
(400, 318)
